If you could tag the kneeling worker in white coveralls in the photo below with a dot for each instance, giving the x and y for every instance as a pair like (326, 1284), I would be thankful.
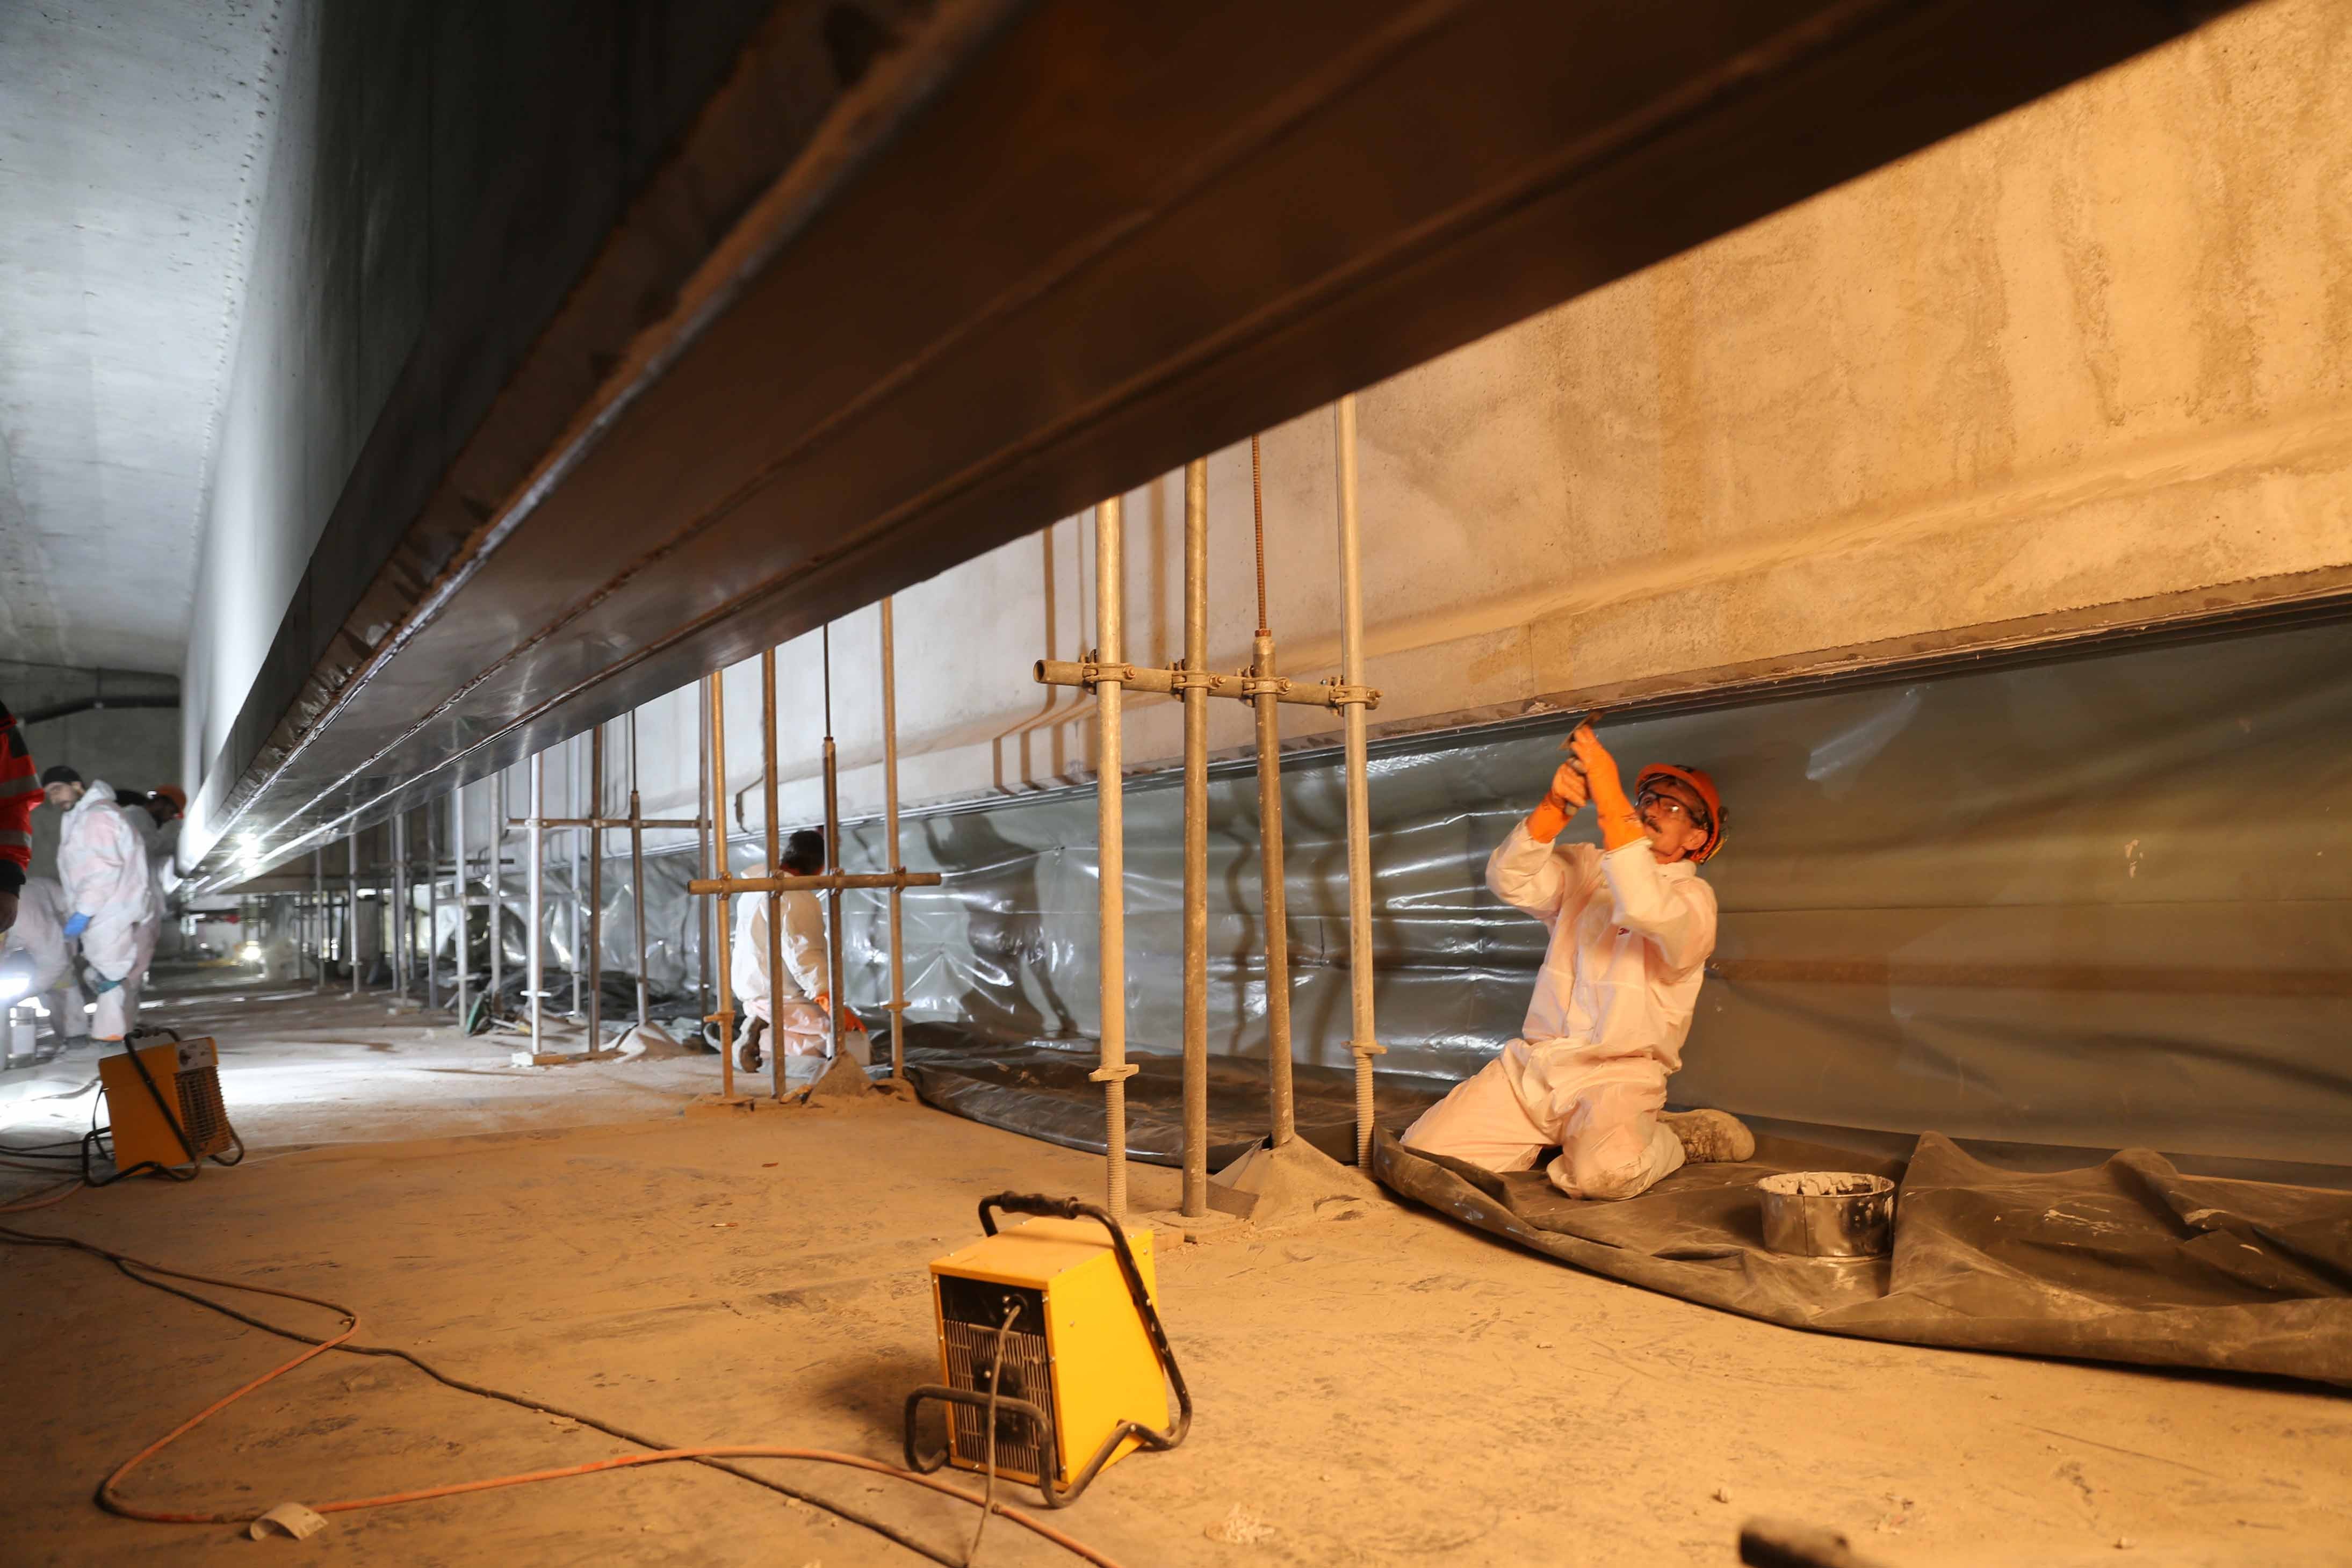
(1631, 924)
(802, 1008)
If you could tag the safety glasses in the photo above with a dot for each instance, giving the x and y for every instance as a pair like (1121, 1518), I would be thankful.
(1673, 806)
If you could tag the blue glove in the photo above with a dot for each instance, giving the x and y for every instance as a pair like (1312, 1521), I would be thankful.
(103, 986)
(75, 925)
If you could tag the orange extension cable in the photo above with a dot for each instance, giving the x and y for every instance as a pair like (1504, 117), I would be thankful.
(109, 1499)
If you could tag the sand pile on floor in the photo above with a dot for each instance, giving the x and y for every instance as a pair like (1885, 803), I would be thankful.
(843, 1083)
(1297, 1182)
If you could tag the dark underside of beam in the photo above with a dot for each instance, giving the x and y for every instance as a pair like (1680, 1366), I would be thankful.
(1032, 255)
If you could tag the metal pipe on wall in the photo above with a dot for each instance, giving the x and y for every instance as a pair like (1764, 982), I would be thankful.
(638, 870)
(1274, 893)
(706, 818)
(432, 903)
(716, 811)
(890, 831)
(775, 855)
(401, 928)
(596, 940)
(836, 1003)
(351, 904)
(1362, 1042)
(317, 910)
(534, 971)
(574, 786)
(465, 895)
(1110, 582)
(1196, 840)
(497, 856)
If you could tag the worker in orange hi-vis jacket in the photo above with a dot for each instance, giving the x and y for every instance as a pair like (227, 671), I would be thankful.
(20, 791)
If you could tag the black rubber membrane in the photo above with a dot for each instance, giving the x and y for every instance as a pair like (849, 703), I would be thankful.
(2127, 1260)
(1040, 1088)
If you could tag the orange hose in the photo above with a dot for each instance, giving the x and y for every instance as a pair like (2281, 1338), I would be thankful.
(113, 1503)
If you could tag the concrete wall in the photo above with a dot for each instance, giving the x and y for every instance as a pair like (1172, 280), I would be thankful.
(2089, 359)
(436, 163)
(131, 749)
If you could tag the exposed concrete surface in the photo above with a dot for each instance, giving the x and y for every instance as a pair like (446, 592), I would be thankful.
(126, 127)
(1385, 1389)
(2095, 352)
(131, 749)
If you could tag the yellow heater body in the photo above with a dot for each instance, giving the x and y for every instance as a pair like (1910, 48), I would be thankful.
(187, 1074)
(1078, 1347)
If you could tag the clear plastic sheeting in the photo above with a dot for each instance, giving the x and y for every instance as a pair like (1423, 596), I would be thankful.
(2104, 902)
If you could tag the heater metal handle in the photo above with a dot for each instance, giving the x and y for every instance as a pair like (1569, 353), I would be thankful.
(1035, 1203)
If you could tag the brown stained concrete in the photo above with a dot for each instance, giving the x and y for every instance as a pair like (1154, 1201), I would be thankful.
(1386, 1388)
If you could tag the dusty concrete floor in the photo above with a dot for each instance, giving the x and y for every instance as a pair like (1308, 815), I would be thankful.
(1380, 1388)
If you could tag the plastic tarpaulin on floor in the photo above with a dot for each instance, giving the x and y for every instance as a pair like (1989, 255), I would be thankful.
(2128, 1261)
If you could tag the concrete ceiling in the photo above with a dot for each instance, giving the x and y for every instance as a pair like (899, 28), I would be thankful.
(127, 129)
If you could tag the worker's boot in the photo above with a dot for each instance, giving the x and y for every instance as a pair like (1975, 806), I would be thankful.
(747, 1057)
(1710, 1135)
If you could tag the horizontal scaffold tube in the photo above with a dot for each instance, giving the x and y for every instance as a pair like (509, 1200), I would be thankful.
(1245, 685)
(814, 883)
(622, 822)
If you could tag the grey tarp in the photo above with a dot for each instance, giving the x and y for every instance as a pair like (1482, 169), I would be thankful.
(2127, 1260)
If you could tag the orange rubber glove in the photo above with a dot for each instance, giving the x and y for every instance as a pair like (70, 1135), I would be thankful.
(1559, 806)
(1620, 824)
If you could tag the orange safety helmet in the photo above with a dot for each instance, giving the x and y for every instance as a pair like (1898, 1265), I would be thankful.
(174, 794)
(1717, 819)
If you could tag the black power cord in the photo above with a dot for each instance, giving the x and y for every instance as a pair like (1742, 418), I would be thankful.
(988, 1487)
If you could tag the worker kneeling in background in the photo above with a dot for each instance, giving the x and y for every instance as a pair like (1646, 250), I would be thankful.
(1631, 924)
(803, 1008)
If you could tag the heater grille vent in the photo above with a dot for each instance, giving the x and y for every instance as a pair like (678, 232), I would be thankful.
(202, 1115)
(1019, 1446)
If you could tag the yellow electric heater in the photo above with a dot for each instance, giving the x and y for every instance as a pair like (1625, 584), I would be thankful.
(164, 1106)
(1049, 1330)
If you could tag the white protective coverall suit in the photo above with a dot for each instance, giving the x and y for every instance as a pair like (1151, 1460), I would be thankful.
(1630, 940)
(102, 860)
(162, 841)
(39, 942)
(801, 1025)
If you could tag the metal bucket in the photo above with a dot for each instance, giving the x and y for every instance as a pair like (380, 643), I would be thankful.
(1828, 1213)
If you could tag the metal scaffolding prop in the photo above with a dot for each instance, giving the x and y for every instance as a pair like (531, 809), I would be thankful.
(1106, 673)
(721, 885)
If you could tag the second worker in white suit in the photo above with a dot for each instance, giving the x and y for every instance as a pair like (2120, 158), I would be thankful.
(1632, 923)
(103, 862)
(801, 1004)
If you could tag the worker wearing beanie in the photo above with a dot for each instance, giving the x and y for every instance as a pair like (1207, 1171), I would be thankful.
(103, 862)
(1631, 924)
